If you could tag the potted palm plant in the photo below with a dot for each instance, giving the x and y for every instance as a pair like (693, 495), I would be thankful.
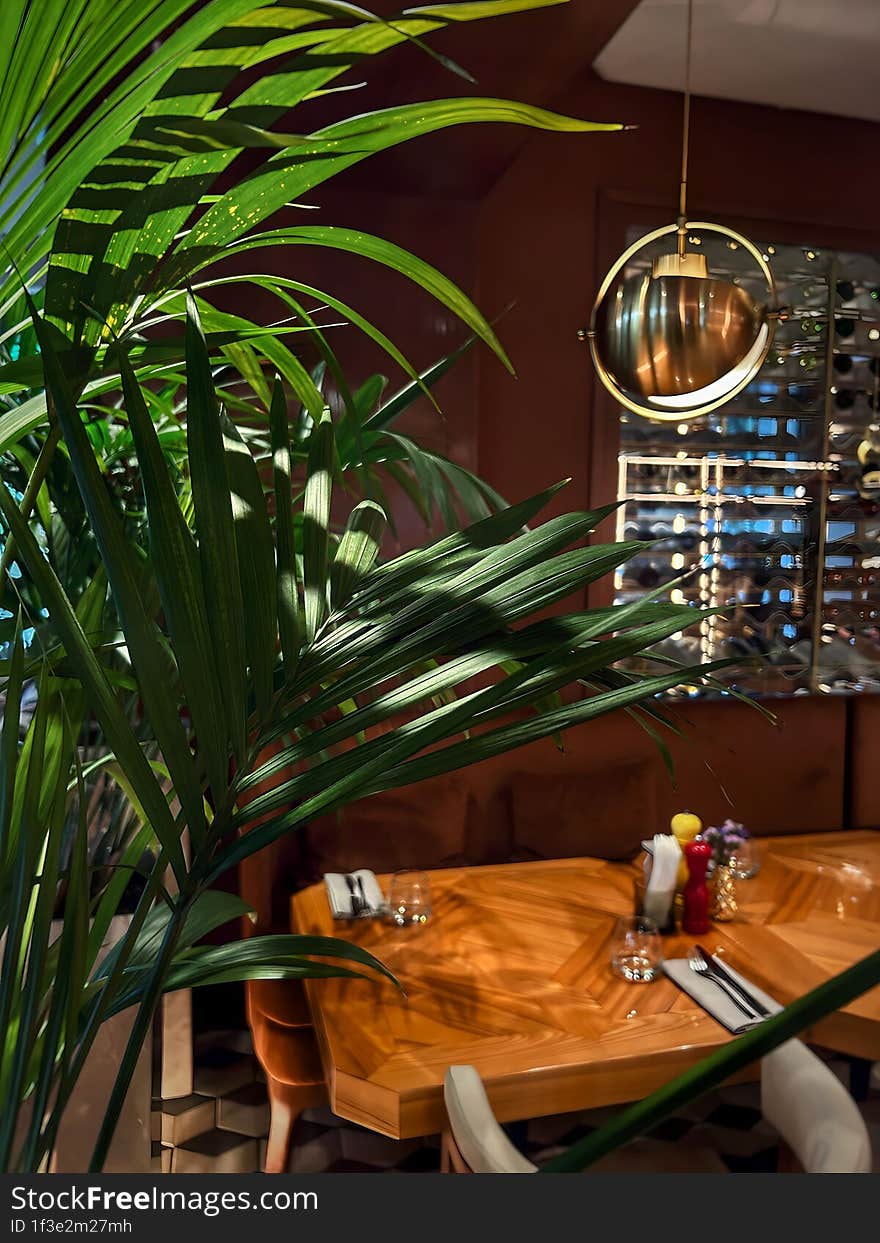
(99, 97)
(265, 649)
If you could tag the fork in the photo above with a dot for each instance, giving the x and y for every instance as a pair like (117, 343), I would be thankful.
(699, 967)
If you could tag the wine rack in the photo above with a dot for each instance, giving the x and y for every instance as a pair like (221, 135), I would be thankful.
(770, 505)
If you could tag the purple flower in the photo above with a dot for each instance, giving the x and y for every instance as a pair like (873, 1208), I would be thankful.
(725, 839)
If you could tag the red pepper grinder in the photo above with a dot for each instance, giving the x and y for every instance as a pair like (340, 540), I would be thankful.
(696, 891)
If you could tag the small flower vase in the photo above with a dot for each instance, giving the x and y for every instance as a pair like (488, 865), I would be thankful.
(723, 887)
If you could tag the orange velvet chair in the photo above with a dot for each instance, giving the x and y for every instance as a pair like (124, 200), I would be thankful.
(277, 1010)
(284, 1043)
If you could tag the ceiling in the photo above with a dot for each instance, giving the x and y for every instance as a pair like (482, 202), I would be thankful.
(813, 55)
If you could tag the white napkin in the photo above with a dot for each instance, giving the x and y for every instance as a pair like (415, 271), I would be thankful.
(339, 894)
(661, 881)
(714, 999)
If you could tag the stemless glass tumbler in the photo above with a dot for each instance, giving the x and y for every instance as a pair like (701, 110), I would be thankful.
(409, 899)
(636, 952)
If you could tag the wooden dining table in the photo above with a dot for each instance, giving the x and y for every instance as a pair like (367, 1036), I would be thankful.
(512, 975)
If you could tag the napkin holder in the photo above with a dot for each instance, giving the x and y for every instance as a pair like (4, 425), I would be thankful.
(339, 896)
(644, 905)
(669, 926)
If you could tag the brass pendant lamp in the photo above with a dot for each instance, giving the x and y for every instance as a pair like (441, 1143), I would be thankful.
(676, 344)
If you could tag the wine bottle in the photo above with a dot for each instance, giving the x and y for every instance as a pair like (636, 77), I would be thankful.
(844, 327)
(845, 608)
(851, 577)
(801, 394)
(842, 364)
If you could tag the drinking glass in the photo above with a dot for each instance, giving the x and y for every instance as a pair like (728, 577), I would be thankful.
(409, 899)
(635, 949)
(744, 861)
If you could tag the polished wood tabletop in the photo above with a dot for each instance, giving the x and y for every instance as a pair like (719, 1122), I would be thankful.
(512, 974)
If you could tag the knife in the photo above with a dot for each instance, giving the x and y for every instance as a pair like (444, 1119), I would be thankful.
(721, 970)
(355, 900)
(365, 906)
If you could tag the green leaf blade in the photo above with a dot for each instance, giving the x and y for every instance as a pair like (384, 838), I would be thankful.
(357, 551)
(256, 562)
(316, 523)
(180, 585)
(289, 626)
(218, 553)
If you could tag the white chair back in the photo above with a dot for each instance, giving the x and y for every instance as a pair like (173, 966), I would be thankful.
(813, 1112)
(479, 1137)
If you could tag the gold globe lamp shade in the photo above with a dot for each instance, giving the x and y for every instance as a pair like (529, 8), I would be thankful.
(675, 343)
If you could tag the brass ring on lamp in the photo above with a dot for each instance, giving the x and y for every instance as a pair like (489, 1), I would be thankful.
(680, 407)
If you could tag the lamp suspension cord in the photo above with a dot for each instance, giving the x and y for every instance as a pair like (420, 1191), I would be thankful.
(685, 131)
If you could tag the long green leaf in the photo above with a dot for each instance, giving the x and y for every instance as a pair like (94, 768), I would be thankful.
(357, 551)
(9, 739)
(316, 523)
(20, 944)
(256, 562)
(218, 553)
(459, 611)
(278, 286)
(289, 628)
(392, 409)
(31, 1017)
(181, 587)
(210, 910)
(473, 541)
(148, 187)
(68, 977)
(392, 256)
(283, 180)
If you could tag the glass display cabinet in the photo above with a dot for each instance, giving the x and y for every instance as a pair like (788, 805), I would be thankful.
(770, 505)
